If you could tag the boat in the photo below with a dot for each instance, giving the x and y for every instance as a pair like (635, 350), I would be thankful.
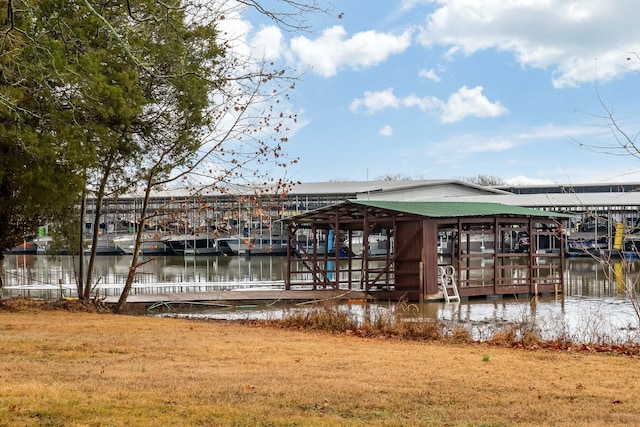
(250, 245)
(43, 245)
(192, 244)
(105, 246)
(522, 242)
(37, 246)
(378, 245)
(152, 243)
(587, 244)
(631, 245)
(304, 249)
(25, 248)
(477, 243)
(593, 236)
(473, 243)
(483, 242)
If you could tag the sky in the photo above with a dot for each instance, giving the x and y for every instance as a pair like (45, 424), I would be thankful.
(451, 89)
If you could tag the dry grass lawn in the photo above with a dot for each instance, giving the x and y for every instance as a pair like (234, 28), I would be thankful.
(60, 368)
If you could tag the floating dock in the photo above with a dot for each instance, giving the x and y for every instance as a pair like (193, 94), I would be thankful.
(244, 295)
(193, 292)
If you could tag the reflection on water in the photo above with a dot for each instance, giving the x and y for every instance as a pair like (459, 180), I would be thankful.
(593, 308)
(573, 319)
(33, 270)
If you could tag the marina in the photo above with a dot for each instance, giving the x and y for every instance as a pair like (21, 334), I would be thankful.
(217, 287)
(419, 240)
(254, 214)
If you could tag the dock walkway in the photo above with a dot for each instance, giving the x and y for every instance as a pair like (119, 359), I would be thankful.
(186, 292)
(245, 295)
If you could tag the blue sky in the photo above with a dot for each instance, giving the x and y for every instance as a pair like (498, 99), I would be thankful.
(456, 88)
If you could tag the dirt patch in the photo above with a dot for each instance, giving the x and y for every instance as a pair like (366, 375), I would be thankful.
(71, 305)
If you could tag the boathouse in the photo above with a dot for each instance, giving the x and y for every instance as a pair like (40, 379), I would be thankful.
(426, 250)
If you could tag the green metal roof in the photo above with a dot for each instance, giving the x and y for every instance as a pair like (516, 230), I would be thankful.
(353, 209)
(457, 209)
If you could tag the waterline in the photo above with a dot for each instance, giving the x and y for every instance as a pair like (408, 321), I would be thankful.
(593, 307)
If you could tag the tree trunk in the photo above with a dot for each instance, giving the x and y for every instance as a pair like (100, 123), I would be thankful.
(80, 279)
(136, 251)
(96, 229)
(1, 272)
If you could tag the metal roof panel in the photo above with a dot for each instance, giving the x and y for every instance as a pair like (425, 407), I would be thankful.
(457, 209)
(426, 209)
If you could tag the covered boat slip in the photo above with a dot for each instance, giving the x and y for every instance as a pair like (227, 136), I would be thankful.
(425, 250)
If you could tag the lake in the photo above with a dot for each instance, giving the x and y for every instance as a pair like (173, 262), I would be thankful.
(593, 308)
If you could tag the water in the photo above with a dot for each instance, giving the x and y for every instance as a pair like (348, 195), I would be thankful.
(594, 307)
(39, 271)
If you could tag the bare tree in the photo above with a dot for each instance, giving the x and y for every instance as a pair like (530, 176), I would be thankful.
(240, 140)
(624, 143)
(486, 180)
(237, 122)
(395, 177)
(619, 264)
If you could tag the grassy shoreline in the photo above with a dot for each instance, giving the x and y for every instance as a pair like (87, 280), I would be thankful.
(60, 367)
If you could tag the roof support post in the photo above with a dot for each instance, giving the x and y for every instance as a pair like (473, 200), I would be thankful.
(533, 281)
(561, 232)
(327, 249)
(459, 255)
(497, 268)
(350, 259)
(388, 255)
(365, 251)
(291, 234)
(315, 261)
(337, 248)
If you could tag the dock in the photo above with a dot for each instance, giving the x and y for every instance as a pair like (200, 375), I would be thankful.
(244, 295)
(190, 292)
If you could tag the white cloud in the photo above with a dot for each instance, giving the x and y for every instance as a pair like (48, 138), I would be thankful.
(268, 43)
(469, 154)
(233, 31)
(524, 180)
(408, 5)
(579, 41)
(552, 131)
(489, 145)
(429, 74)
(468, 144)
(375, 101)
(333, 51)
(470, 102)
(426, 103)
(464, 103)
(386, 130)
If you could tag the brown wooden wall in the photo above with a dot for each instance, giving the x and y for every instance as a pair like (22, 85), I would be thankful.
(430, 257)
(408, 258)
